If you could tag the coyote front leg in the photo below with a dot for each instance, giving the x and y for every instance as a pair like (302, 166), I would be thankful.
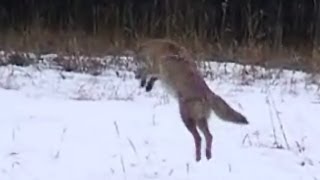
(150, 83)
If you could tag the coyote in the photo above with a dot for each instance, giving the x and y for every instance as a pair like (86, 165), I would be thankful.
(165, 60)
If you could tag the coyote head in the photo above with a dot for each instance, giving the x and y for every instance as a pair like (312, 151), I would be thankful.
(140, 70)
(144, 71)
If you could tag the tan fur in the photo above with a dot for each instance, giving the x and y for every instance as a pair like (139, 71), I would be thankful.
(177, 71)
(150, 52)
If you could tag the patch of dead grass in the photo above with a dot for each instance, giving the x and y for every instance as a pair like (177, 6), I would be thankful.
(76, 43)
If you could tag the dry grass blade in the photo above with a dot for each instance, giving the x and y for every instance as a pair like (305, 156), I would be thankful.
(133, 146)
(280, 124)
(117, 128)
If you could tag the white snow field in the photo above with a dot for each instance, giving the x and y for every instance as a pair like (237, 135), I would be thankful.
(69, 126)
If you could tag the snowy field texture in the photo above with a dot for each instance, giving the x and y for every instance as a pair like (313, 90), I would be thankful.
(58, 125)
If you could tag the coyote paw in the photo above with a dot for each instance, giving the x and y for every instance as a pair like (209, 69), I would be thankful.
(143, 83)
(198, 155)
(208, 154)
(148, 87)
(198, 158)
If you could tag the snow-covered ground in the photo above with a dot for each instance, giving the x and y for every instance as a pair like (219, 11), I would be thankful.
(68, 126)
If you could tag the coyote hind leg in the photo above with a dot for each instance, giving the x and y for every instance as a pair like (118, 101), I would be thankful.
(203, 126)
(189, 123)
(192, 128)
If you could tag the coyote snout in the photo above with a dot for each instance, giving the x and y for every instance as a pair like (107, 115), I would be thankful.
(173, 66)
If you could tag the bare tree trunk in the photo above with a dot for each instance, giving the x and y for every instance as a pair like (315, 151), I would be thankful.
(316, 41)
(278, 29)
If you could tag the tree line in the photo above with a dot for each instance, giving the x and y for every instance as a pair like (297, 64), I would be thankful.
(275, 22)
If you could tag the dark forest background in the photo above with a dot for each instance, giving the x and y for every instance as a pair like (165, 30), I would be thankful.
(254, 29)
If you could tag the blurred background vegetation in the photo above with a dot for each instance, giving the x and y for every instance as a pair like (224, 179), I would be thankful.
(253, 31)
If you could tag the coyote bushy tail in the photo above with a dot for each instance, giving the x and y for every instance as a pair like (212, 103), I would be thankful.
(172, 64)
(224, 111)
